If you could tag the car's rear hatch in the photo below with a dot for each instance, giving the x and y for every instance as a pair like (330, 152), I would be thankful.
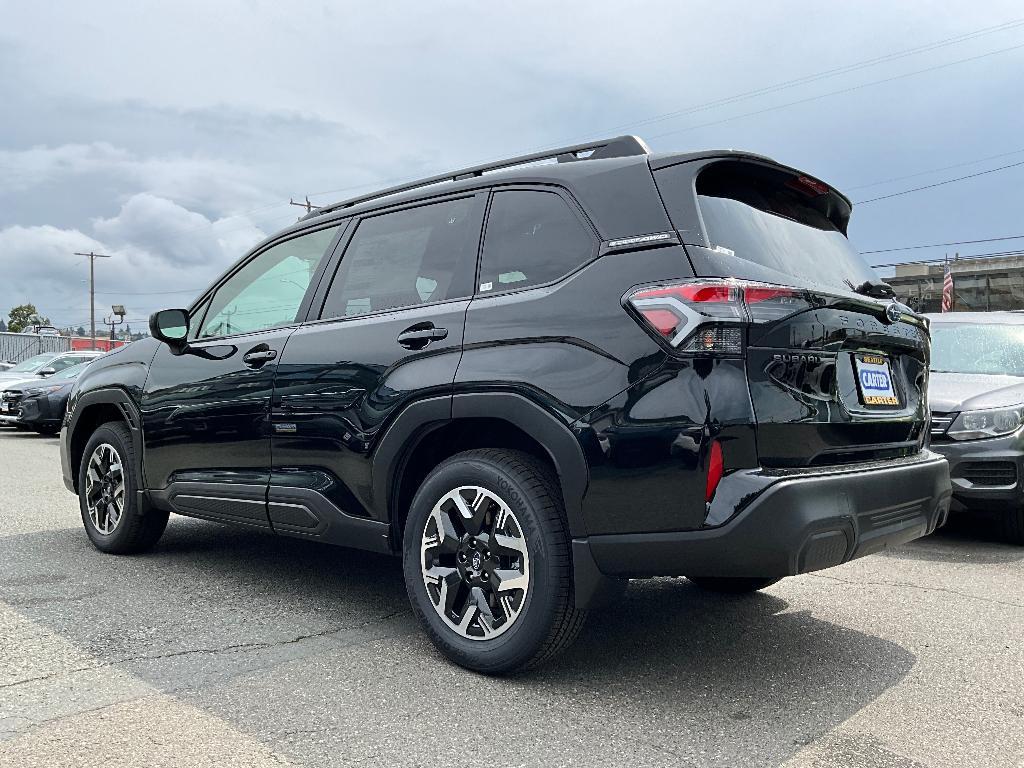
(835, 376)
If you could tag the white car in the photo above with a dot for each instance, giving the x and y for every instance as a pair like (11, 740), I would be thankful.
(46, 364)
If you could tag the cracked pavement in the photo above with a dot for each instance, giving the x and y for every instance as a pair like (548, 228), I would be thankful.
(229, 647)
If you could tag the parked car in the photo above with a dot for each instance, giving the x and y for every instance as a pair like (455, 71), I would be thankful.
(39, 405)
(6, 419)
(6, 365)
(976, 393)
(47, 364)
(534, 381)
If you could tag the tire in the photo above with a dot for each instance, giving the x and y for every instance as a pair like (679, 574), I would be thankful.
(1013, 526)
(128, 531)
(732, 585)
(522, 628)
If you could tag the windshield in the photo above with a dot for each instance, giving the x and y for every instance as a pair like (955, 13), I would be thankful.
(32, 365)
(69, 373)
(963, 348)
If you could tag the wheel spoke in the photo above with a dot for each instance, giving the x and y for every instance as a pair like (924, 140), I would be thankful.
(508, 545)
(510, 579)
(448, 537)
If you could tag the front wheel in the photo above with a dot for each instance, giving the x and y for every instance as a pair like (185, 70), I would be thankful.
(487, 561)
(732, 585)
(1013, 526)
(107, 496)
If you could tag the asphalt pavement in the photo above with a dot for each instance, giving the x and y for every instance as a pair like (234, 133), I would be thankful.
(230, 647)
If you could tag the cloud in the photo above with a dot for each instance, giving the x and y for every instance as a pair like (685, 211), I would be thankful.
(162, 255)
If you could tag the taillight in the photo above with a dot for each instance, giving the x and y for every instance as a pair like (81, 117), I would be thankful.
(709, 316)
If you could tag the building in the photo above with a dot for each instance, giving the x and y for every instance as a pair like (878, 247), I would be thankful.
(979, 284)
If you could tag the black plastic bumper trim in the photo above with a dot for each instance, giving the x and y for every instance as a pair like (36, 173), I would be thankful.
(798, 524)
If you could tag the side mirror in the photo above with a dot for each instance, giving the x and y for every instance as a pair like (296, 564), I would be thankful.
(171, 327)
(48, 371)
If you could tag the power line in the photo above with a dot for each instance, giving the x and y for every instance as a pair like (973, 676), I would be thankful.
(148, 293)
(939, 183)
(940, 260)
(1009, 25)
(942, 245)
(841, 91)
(934, 170)
(845, 69)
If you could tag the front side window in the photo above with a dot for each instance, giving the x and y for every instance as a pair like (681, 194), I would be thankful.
(64, 362)
(532, 238)
(408, 257)
(267, 292)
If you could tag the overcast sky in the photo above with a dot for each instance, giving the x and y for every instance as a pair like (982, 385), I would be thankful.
(171, 135)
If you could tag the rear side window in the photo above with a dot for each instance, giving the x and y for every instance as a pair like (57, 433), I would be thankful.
(532, 238)
(407, 257)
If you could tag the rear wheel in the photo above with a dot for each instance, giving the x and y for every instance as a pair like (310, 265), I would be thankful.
(107, 496)
(487, 562)
(732, 585)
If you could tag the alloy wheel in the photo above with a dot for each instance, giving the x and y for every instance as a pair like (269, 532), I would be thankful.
(475, 562)
(104, 488)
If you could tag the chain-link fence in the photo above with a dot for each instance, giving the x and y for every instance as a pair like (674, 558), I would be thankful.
(15, 347)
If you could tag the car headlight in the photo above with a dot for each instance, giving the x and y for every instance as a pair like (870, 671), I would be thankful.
(992, 422)
(43, 390)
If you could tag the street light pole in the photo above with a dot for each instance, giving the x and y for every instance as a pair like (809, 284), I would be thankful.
(92, 289)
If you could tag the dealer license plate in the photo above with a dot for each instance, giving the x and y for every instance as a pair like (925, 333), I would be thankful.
(874, 380)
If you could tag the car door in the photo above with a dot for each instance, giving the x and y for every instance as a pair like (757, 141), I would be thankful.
(389, 331)
(206, 412)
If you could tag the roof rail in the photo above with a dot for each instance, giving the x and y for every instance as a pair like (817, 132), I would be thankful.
(620, 146)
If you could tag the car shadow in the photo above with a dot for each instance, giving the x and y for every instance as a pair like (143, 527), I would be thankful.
(966, 539)
(244, 624)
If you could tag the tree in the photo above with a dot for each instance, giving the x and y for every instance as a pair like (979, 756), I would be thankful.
(3, 325)
(24, 317)
(80, 331)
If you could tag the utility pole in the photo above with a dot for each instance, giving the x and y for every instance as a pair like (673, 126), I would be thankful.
(92, 289)
(303, 204)
(119, 313)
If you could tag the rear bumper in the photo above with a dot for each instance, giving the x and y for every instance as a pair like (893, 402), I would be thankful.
(794, 522)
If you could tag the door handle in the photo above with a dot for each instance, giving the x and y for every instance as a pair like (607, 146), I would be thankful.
(418, 336)
(257, 357)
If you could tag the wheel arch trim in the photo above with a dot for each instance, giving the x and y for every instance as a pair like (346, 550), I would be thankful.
(419, 418)
(130, 415)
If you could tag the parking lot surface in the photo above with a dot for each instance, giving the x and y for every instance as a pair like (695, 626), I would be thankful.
(229, 647)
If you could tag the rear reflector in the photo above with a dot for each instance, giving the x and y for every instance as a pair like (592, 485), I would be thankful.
(715, 469)
(708, 316)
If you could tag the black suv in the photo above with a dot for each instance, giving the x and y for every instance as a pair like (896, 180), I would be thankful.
(533, 381)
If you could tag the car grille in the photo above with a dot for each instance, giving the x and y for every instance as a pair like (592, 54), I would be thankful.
(12, 397)
(940, 423)
(989, 472)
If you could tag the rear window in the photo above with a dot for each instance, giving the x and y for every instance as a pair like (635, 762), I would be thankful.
(766, 223)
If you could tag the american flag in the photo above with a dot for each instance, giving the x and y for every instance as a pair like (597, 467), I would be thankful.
(947, 290)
